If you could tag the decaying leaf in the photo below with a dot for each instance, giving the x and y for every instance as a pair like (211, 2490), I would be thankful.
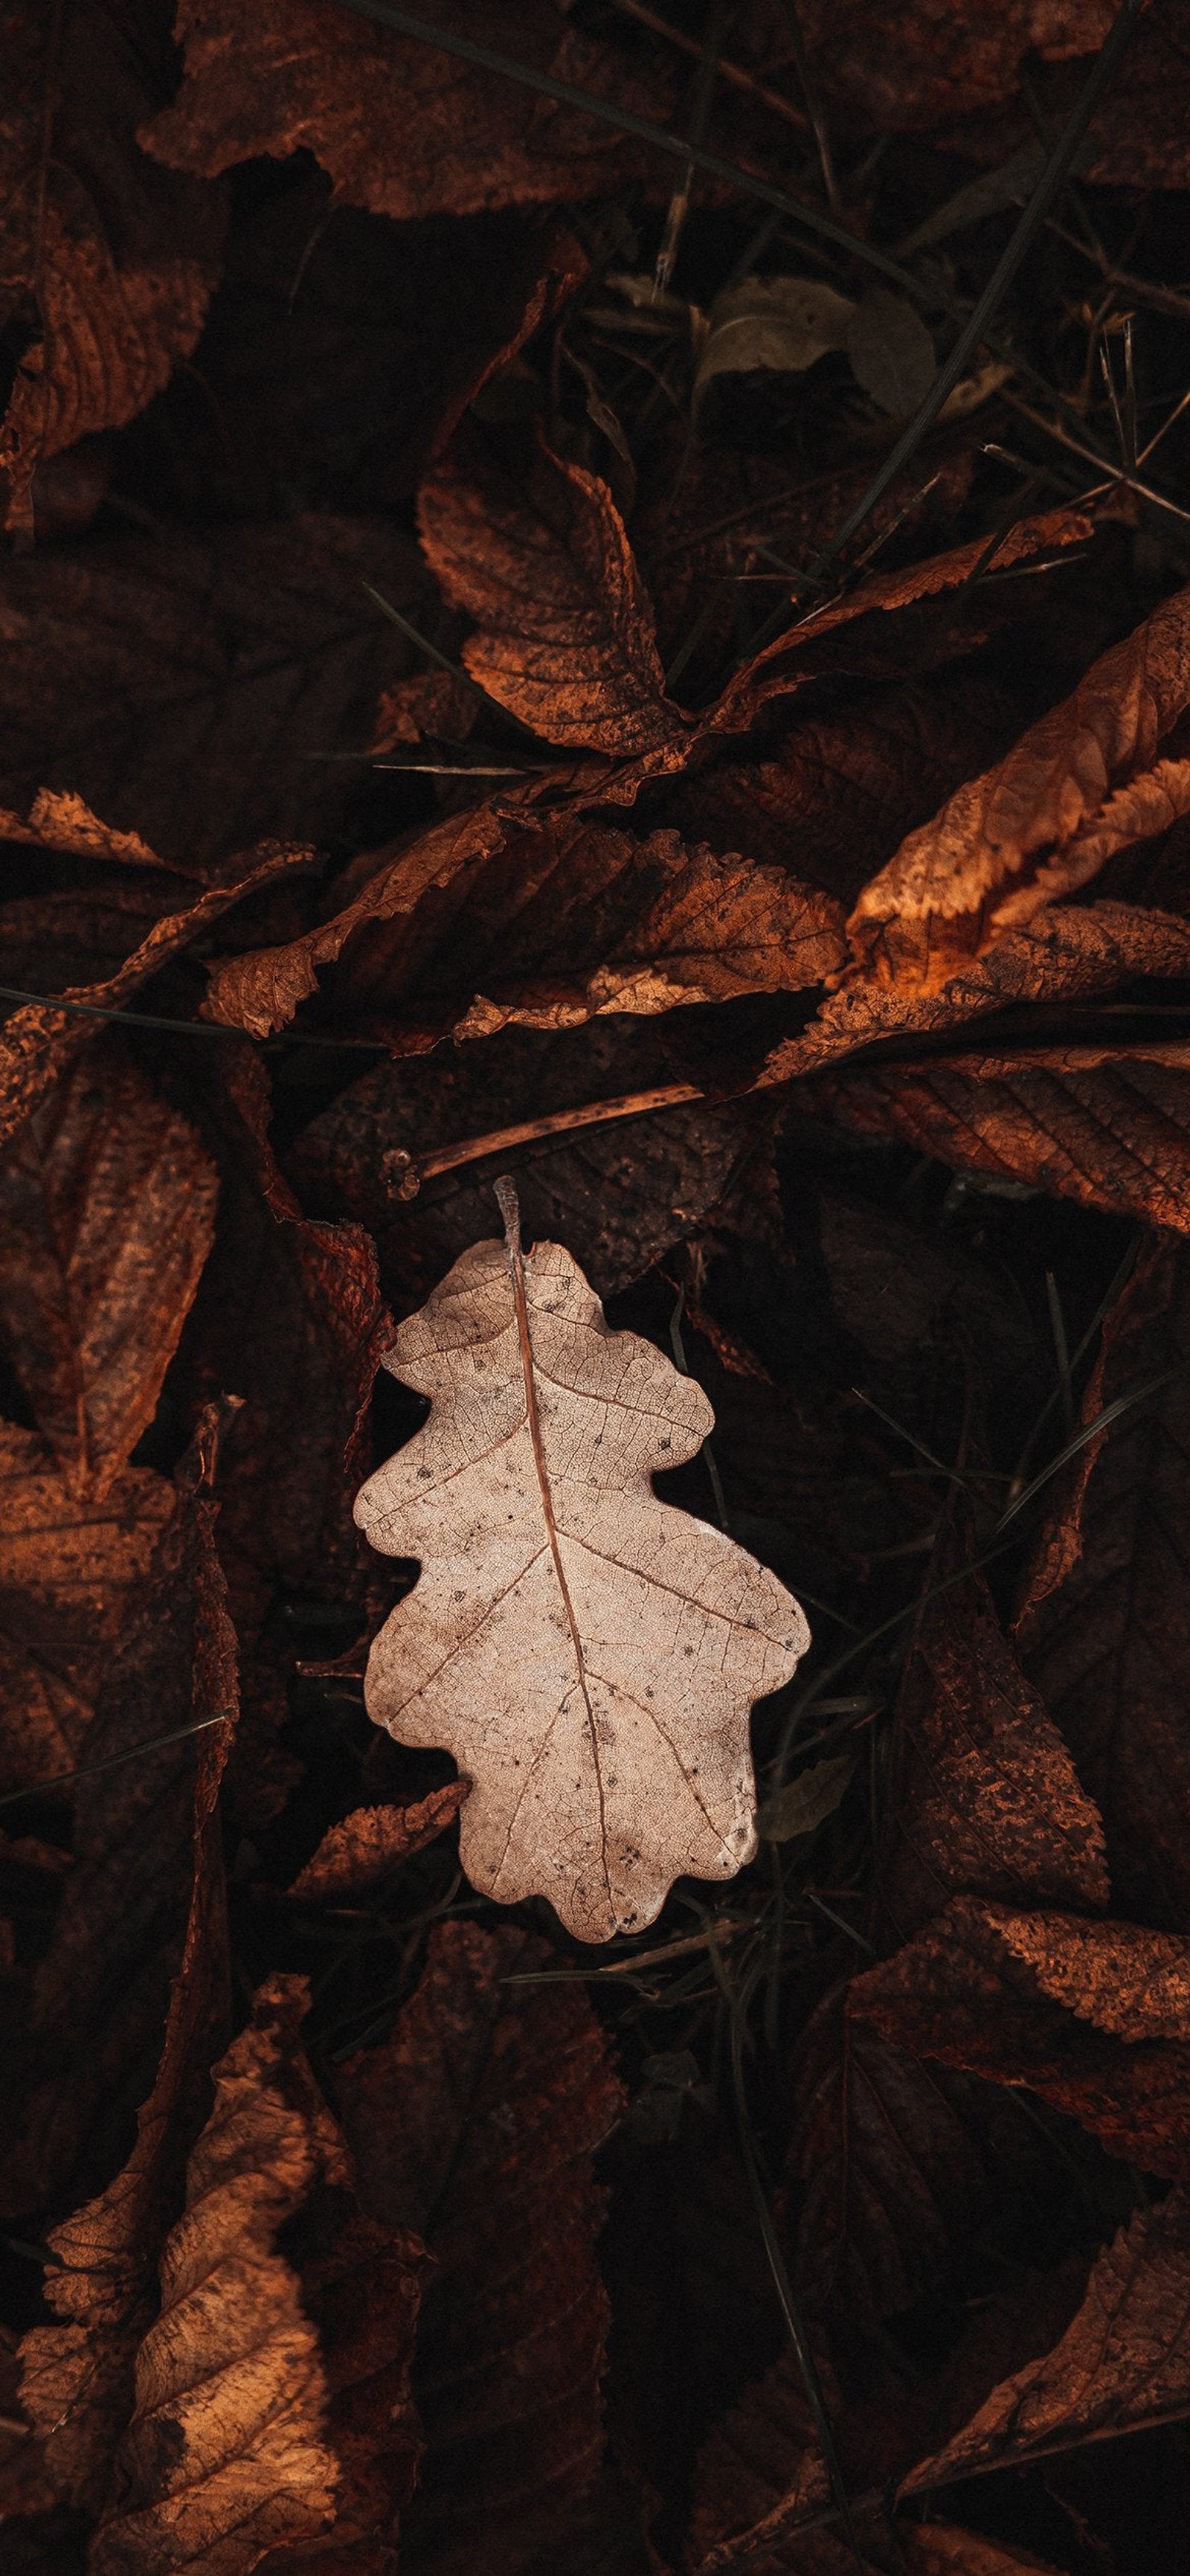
(371, 1842)
(617, 1194)
(587, 1653)
(71, 1574)
(107, 1200)
(1079, 785)
(232, 2447)
(237, 658)
(566, 640)
(1107, 1126)
(1121, 2364)
(1093, 2017)
(77, 2376)
(118, 257)
(1104, 1630)
(37, 1042)
(402, 128)
(488, 921)
(982, 1797)
(780, 322)
(475, 2125)
(1060, 955)
(290, 1318)
(90, 2035)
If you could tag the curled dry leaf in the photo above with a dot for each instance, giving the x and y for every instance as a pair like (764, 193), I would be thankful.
(77, 2376)
(1104, 1630)
(71, 1572)
(402, 128)
(119, 256)
(1106, 1126)
(488, 920)
(237, 658)
(37, 1042)
(1058, 956)
(475, 2124)
(91, 2031)
(1094, 2017)
(587, 1653)
(371, 1842)
(108, 1205)
(231, 2450)
(566, 640)
(1081, 784)
(1123, 2362)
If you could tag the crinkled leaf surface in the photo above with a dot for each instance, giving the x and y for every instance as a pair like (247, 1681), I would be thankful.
(588, 1654)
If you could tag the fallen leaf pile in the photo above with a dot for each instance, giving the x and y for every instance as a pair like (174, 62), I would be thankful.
(595, 599)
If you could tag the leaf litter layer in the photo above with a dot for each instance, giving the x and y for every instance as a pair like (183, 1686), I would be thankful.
(600, 602)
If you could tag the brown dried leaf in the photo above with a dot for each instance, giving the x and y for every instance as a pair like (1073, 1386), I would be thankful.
(70, 1576)
(234, 2447)
(896, 2161)
(290, 1318)
(1094, 2017)
(486, 921)
(904, 75)
(235, 659)
(838, 790)
(1081, 784)
(1122, 2363)
(566, 642)
(1058, 956)
(90, 2035)
(108, 1204)
(617, 1194)
(761, 2476)
(401, 128)
(117, 258)
(1106, 1126)
(475, 2125)
(982, 1796)
(37, 1042)
(587, 1653)
(436, 704)
(1105, 1629)
(371, 1842)
(77, 2377)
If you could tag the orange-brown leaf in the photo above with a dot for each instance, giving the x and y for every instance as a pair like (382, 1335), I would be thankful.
(107, 1199)
(1105, 1628)
(982, 1797)
(1058, 956)
(190, 683)
(120, 255)
(475, 2124)
(1123, 2362)
(566, 640)
(401, 128)
(70, 1577)
(1106, 1126)
(1093, 2016)
(37, 1042)
(371, 1842)
(485, 922)
(1082, 783)
(231, 2450)
(77, 2385)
